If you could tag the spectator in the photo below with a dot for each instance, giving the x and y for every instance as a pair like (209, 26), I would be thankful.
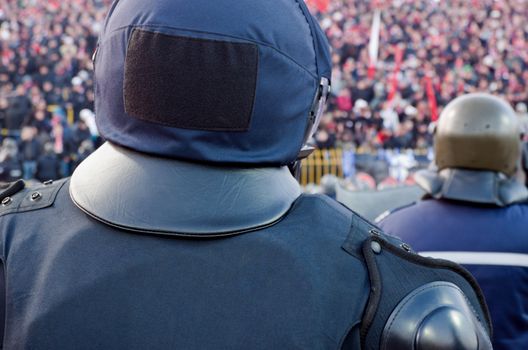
(45, 59)
(48, 165)
(522, 112)
(10, 165)
(30, 151)
(4, 104)
(18, 109)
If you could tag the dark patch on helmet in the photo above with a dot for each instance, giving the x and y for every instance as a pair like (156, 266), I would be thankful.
(190, 83)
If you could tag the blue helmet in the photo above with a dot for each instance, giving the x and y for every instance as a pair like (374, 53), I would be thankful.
(225, 81)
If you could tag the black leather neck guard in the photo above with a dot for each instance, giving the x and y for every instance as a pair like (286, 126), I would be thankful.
(483, 187)
(142, 193)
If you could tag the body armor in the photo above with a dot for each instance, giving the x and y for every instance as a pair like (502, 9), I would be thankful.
(319, 276)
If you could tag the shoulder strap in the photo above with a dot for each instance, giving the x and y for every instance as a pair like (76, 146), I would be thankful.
(17, 198)
(361, 230)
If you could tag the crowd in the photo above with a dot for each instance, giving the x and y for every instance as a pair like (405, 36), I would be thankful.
(46, 85)
(429, 52)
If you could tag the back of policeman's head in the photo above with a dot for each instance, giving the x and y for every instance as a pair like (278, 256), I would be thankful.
(224, 81)
(479, 132)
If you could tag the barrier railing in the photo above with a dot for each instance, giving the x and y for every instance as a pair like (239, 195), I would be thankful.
(343, 163)
(320, 163)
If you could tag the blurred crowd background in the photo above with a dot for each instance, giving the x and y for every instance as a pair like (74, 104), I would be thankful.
(46, 85)
(381, 114)
(429, 53)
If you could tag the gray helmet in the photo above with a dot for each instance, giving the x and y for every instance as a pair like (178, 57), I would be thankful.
(478, 131)
(477, 151)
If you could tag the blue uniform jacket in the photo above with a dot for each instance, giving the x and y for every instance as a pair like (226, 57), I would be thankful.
(491, 242)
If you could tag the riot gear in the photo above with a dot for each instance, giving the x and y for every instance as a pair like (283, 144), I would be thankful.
(244, 91)
(186, 229)
(479, 132)
(477, 152)
(474, 212)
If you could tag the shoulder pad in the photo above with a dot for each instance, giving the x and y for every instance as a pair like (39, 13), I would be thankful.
(436, 315)
(411, 294)
(17, 198)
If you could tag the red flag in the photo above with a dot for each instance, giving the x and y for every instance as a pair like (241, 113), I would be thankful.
(431, 97)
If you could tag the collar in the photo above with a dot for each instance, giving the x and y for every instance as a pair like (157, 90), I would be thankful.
(475, 186)
(138, 192)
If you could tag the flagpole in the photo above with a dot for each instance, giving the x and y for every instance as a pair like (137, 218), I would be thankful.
(374, 43)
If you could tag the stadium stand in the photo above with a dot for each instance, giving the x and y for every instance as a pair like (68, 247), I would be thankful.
(384, 97)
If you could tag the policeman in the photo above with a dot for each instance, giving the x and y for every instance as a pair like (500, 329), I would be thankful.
(186, 229)
(474, 213)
